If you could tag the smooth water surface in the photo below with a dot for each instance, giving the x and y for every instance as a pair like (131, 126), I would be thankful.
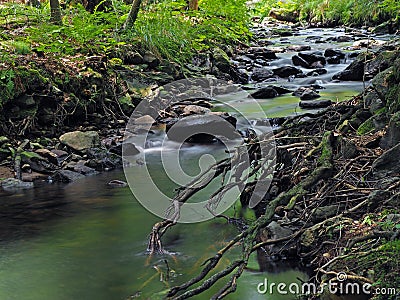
(96, 249)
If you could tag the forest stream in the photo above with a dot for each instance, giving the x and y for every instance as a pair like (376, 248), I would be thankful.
(87, 240)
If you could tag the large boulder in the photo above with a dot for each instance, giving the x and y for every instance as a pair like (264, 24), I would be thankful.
(261, 74)
(373, 100)
(221, 60)
(382, 61)
(38, 163)
(274, 231)
(202, 128)
(298, 61)
(388, 88)
(285, 15)
(80, 141)
(313, 57)
(388, 163)
(317, 72)
(329, 52)
(354, 71)
(306, 93)
(265, 93)
(309, 94)
(287, 71)
(367, 65)
(392, 136)
(261, 52)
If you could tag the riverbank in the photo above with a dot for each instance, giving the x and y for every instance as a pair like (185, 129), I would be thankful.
(333, 202)
(46, 96)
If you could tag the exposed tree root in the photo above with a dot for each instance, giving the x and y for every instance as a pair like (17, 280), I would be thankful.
(320, 193)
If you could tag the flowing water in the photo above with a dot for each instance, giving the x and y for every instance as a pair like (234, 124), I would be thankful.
(86, 240)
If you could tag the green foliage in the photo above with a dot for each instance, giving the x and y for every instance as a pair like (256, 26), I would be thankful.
(166, 28)
(262, 8)
(173, 33)
(382, 264)
(360, 12)
(17, 80)
(81, 32)
(368, 220)
(6, 85)
(165, 33)
(21, 47)
(391, 7)
(366, 127)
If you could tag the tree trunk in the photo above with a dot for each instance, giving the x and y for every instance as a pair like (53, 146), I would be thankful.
(193, 4)
(55, 12)
(97, 5)
(133, 13)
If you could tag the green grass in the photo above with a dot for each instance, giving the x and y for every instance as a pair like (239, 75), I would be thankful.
(166, 28)
(352, 12)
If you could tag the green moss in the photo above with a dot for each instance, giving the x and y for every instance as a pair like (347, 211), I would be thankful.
(393, 98)
(326, 152)
(125, 100)
(115, 62)
(282, 32)
(295, 193)
(27, 79)
(93, 73)
(366, 127)
(382, 265)
(18, 80)
(396, 70)
(21, 47)
(380, 111)
(27, 155)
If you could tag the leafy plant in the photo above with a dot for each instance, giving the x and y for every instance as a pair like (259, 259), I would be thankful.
(368, 220)
(7, 85)
(21, 47)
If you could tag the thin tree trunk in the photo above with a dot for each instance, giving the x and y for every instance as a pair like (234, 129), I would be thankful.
(55, 12)
(133, 13)
(193, 4)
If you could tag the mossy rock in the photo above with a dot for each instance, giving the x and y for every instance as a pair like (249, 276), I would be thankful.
(381, 62)
(18, 81)
(392, 136)
(286, 15)
(115, 62)
(282, 31)
(383, 81)
(221, 60)
(396, 70)
(366, 127)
